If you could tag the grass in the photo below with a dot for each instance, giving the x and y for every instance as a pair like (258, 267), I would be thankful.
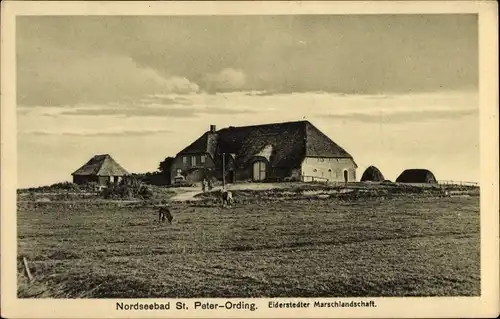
(400, 246)
(354, 192)
(74, 193)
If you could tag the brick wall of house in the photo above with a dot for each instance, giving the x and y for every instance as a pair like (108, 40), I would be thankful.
(184, 162)
(329, 168)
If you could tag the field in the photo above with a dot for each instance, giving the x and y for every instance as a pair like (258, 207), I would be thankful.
(286, 247)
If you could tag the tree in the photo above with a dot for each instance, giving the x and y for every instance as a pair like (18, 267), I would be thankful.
(165, 168)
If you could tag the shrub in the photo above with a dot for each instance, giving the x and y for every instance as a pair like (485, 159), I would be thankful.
(152, 178)
(89, 187)
(61, 187)
(67, 186)
(128, 188)
(183, 184)
(145, 192)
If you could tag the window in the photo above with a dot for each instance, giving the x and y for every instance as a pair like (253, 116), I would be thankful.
(321, 159)
(202, 159)
(179, 171)
(315, 170)
(330, 170)
(185, 159)
(193, 160)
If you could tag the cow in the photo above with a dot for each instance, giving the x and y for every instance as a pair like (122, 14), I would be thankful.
(164, 213)
(227, 198)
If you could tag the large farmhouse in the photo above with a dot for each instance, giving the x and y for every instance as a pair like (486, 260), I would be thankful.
(291, 150)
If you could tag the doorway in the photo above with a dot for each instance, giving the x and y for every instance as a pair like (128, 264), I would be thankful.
(346, 176)
(259, 171)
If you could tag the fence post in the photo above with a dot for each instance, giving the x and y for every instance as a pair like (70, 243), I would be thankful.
(27, 269)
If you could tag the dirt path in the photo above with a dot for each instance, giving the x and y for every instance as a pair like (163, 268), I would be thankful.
(186, 196)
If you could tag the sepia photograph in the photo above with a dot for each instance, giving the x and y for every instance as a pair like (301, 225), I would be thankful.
(234, 156)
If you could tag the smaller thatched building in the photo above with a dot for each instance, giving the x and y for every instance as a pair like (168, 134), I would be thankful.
(101, 169)
(417, 176)
(372, 174)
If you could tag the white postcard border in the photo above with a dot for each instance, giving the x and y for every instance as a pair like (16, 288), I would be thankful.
(485, 306)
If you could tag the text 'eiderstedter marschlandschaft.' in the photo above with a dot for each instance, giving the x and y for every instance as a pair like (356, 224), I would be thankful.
(334, 304)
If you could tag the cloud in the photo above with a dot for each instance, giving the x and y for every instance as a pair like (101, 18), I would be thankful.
(197, 111)
(405, 117)
(227, 79)
(166, 99)
(180, 85)
(89, 133)
(134, 112)
(155, 112)
(80, 59)
(49, 75)
(261, 93)
(159, 106)
(223, 110)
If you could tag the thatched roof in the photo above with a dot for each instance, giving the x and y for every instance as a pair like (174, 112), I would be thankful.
(372, 174)
(290, 143)
(416, 176)
(207, 143)
(101, 165)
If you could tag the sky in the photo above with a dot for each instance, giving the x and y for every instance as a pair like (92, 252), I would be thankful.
(396, 91)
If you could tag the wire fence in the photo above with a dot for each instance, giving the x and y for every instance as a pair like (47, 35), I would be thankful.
(461, 183)
(306, 178)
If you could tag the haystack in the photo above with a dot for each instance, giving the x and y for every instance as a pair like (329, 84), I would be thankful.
(417, 176)
(372, 174)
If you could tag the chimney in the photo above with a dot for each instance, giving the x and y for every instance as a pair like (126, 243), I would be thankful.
(212, 128)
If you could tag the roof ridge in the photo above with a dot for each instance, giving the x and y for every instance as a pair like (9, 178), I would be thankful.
(305, 139)
(97, 163)
(266, 124)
